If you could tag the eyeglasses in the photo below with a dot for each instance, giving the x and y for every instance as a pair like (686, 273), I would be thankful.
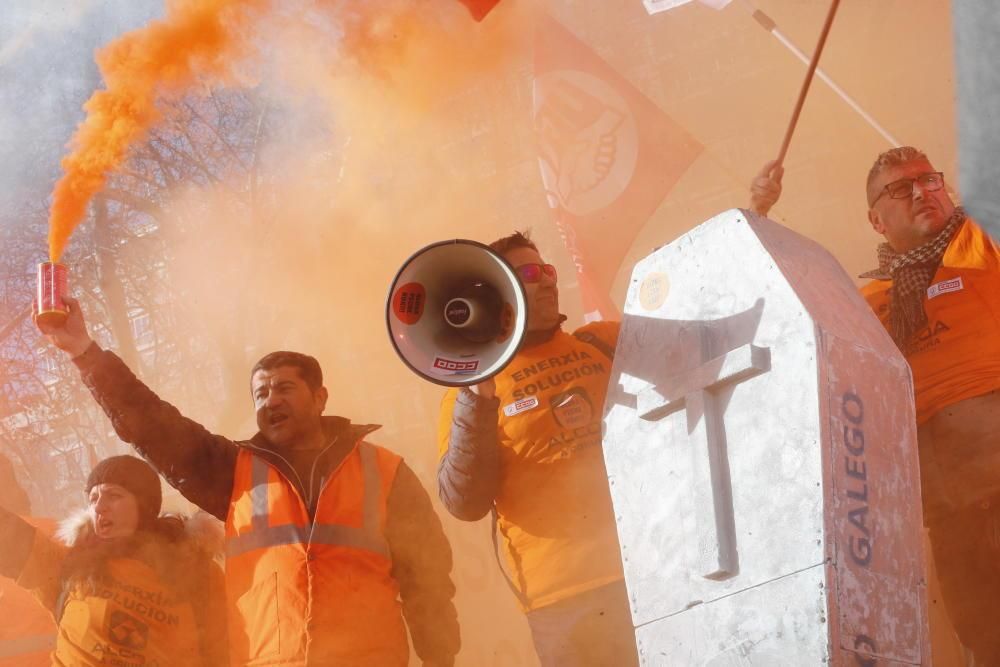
(532, 273)
(903, 188)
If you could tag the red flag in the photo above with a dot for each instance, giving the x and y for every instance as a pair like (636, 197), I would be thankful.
(608, 157)
(479, 8)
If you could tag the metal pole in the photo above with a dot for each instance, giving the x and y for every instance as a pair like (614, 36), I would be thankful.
(768, 24)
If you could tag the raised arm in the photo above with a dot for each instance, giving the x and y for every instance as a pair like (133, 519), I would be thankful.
(33, 559)
(469, 470)
(197, 463)
(17, 537)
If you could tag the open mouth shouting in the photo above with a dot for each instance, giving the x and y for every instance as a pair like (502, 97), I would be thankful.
(103, 526)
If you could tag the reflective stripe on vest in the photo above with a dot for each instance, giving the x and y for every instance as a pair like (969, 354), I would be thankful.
(261, 535)
(22, 646)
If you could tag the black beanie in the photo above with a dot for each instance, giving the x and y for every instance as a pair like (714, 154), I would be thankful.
(134, 475)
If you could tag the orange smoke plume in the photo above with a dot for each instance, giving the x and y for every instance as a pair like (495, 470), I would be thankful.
(196, 42)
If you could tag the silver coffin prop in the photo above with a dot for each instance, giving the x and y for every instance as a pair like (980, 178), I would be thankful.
(761, 449)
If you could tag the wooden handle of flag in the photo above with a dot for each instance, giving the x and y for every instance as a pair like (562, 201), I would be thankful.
(805, 84)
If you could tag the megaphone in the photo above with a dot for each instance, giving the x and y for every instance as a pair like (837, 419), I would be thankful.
(456, 313)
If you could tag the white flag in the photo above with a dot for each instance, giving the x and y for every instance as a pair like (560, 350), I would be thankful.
(654, 6)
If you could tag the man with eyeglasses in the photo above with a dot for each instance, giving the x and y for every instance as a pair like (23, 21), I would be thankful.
(525, 447)
(937, 291)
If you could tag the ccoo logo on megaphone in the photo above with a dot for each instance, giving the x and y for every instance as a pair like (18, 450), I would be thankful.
(456, 313)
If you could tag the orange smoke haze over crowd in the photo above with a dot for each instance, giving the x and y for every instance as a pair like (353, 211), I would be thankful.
(397, 123)
(197, 41)
(363, 166)
(200, 43)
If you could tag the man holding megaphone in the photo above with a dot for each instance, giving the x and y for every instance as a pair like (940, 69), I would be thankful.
(525, 446)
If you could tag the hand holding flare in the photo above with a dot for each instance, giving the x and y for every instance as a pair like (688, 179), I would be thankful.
(71, 335)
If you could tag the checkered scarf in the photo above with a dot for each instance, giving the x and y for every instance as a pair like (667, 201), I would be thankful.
(911, 274)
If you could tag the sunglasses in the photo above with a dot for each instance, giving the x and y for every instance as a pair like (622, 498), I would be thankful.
(532, 273)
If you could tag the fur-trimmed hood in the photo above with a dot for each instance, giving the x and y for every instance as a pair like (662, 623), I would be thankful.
(201, 530)
(181, 550)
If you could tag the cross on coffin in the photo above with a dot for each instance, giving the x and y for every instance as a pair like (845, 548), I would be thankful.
(695, 390)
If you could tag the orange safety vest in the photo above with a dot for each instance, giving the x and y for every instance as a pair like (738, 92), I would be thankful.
(318, 592)
(957, 355)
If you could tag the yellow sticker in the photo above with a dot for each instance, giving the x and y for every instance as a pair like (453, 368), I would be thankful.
(654, 290)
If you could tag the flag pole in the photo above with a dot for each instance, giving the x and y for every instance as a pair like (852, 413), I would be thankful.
(805, 84)
(768, 24)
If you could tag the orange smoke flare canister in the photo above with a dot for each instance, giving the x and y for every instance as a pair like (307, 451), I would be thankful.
(53, 284)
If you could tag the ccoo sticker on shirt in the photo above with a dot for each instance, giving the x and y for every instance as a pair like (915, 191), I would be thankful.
(945, 286)
(523, 405)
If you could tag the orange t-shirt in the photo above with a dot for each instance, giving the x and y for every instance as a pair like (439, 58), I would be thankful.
(132, 617)
(957, 356)
(554, 513)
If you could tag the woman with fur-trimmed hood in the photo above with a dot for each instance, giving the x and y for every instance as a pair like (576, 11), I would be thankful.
(126, 585)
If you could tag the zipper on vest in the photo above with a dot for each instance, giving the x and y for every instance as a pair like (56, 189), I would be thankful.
(312, 470)
(312, 475)
(323, 484)
(285, 461)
